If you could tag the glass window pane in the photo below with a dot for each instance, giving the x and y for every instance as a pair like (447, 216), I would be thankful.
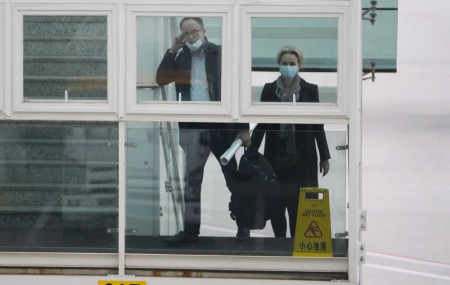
(176, 183)
(380, 42)
(164, 58)
(314, 39)
(58, 189)
(65, 57)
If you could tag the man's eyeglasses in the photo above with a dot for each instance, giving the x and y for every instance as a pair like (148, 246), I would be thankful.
(194, 33)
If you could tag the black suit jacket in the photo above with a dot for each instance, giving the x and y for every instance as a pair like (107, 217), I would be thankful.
(177, 68)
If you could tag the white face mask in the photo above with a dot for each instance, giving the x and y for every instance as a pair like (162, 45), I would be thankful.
(195, 46)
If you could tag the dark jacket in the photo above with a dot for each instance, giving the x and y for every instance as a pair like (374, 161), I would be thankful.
(304, 163)
(177, 68)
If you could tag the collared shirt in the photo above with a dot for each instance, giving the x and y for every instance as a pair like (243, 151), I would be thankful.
(199, 82)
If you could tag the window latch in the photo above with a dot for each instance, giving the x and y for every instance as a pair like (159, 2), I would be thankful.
(342, 147)
(131, 144)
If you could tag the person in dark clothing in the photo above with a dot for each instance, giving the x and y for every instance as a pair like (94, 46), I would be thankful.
(194, 64)
(291, 148)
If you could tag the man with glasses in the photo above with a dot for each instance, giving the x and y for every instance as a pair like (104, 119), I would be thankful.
(194, 64)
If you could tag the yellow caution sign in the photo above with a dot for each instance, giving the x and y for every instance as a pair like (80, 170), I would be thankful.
(313, 228)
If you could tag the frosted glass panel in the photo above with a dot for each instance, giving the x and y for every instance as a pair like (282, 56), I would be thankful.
(65, 58)
(58, 186)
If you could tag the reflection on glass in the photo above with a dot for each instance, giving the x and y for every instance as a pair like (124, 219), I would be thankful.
(65, 57)
(182, 53)
(157, 184)
(317, 40)
(58, 189)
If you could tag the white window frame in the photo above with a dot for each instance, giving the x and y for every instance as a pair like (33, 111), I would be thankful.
(235, 108)
(320, 113)
(193, 111)
(313, 112)
(96, 108)
(3, 67)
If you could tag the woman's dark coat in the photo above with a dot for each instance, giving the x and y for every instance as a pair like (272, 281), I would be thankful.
(300, 169)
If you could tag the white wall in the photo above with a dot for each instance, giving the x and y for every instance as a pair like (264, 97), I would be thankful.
(406, 139)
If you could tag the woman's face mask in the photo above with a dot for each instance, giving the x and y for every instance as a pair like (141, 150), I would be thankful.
(194, 46)
(288, 71)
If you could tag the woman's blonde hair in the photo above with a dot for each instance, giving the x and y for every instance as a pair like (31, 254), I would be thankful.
(291, 50)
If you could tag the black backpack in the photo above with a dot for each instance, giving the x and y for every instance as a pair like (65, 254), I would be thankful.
(257, 196)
